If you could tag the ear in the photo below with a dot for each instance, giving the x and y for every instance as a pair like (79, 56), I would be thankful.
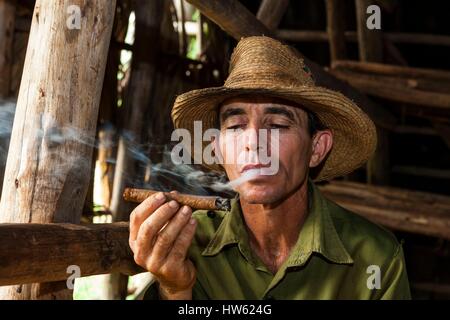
(322, 142)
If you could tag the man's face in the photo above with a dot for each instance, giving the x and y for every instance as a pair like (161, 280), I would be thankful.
(239, 148)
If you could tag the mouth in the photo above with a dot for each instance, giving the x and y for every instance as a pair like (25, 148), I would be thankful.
(253, 166)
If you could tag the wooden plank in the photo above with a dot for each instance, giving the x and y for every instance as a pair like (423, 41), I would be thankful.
(336, 29)
(391, 70)
(351, 36)
(271, 12)
(237, 21)
(7, 18)
(398, 209)
(393, 89)
(47, 171)
(33, 252)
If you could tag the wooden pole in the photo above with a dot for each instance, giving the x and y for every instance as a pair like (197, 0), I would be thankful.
(33, 252)
(370, 41)
(47, 171)
(271, 12)
(370, 44)
(237, 21)
(7, 18)
(145, 54)
(336, 29)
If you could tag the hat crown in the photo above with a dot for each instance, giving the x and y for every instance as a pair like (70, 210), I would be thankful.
(264, 62)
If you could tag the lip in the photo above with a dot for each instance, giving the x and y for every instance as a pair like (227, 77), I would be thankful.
(253, 166)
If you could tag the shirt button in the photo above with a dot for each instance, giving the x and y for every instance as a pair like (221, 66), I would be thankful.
(211, 214)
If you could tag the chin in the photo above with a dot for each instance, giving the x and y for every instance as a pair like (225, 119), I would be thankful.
(259, 194)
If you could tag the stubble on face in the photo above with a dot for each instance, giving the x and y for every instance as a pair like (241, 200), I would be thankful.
(247, 114)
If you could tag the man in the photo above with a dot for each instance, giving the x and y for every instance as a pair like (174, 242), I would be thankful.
(282, 239)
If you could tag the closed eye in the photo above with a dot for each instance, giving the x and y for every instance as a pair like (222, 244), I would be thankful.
(236, 126)
(278, 126)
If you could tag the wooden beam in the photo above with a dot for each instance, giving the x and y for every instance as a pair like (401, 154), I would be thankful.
(7, 18)
(271, 12)
(306, 35)
(33, 252)
(396, 89)
(336, 29)
(47, 171)
(43, 252)
(398, 209)
(392, 70)
(237, 21)
(232, 17)
(351, 36)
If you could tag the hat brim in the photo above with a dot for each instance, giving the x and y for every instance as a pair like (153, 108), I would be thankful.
(354, 134)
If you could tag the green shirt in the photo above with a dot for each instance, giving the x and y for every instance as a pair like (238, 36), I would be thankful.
(338, 255)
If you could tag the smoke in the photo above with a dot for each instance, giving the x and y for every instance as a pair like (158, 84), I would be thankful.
(163, 174)
(7, 109)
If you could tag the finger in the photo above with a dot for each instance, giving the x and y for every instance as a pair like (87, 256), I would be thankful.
(168, 236)
(180, 248)
(143, 211)
(152, 225)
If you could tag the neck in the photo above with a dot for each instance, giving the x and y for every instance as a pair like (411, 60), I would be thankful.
(273, 229)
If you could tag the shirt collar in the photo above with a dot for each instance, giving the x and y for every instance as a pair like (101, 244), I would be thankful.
(318, 234)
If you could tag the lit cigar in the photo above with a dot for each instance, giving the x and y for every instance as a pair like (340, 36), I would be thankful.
(195, 202)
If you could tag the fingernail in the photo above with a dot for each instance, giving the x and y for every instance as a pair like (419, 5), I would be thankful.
(192, 221)
(173, 204)
(160, 196)
(185, 210)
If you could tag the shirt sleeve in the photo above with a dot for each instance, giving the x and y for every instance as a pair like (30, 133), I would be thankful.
(152, 293)
(395, 284)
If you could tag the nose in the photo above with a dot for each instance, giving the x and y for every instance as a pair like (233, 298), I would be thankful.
(251, 142)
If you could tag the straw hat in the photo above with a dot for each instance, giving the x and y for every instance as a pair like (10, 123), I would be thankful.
(264, 66)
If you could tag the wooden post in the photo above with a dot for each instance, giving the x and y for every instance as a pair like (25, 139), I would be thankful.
(271, 12)
(32, 252)
(237, 21)
(148, 21)
(370, 44)
(336, 29)
(7, 18)
(47, 171)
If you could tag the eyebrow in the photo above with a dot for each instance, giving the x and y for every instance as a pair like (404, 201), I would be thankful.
(281, 111)
(231, 112)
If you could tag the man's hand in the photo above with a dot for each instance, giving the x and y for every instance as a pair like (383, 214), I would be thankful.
(160, 235)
